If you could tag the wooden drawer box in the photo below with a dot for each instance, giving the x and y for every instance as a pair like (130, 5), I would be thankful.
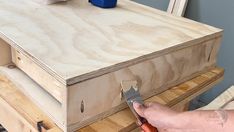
(79, 54)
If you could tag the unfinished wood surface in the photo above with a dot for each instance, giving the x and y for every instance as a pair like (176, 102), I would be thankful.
(177, 7)
(5, 53)
(153, 76)
(81, 41)
(17, 112)
(123, 120)
(40, 97)
(174, 97)
(162, 72)
(222, 101)
(54, 87)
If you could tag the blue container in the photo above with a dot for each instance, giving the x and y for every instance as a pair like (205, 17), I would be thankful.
(104, 3)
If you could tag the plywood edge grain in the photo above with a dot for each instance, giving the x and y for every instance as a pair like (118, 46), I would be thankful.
(14, 45)
(174, 97)
(141, 59)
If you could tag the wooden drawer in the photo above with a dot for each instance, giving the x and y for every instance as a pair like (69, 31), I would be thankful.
(18, 113)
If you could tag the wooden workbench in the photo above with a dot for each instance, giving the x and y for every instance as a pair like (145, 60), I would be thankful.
(19, 114)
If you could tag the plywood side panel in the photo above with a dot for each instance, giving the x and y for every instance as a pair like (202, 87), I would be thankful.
(5, 53)
(174, 97)
(103, 93)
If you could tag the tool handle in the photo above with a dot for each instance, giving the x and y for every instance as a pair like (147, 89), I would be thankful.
(146, 127)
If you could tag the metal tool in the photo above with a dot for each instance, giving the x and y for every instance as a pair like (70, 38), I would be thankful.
(104, 3)
(131, 94)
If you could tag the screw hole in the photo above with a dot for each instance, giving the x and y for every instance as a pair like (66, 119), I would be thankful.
(12, 66)
(82, 107)
(19, 58)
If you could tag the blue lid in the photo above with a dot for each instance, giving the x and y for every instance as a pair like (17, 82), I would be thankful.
(104, 3)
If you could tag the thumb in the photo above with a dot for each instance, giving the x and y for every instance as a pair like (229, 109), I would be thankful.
(139, 108)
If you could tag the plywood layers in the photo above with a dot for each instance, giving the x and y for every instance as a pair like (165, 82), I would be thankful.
(154, 76)
(175, 97)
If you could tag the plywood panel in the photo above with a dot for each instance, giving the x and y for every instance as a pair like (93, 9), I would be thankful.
(80, 41)
(153, 77)
(175, 97)
(121, 121)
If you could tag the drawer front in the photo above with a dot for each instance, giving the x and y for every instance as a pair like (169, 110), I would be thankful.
(39, 75)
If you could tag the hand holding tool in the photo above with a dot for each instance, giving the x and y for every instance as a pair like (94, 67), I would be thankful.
(131, 94)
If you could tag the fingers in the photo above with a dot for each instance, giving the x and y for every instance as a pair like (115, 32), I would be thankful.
(140, 109)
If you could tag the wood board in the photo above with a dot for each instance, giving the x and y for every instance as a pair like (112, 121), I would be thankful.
(62, 46)
(58, 54)
(176, 97)
(173, 97)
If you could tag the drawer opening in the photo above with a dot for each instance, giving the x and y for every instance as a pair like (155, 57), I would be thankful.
(38, 95)
(48, 98)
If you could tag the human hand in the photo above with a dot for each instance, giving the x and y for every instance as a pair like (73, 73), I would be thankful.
(157, 115)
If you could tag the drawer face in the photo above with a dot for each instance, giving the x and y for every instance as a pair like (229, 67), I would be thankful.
(48, 82)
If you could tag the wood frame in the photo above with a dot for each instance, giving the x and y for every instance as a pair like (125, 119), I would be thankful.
(177, 7)
(25, 114)
(167, 65)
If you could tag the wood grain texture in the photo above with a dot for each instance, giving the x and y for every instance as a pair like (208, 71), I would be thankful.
(5, 53)
(153, 77)
(80, 41)
(17, 112)
(121, 121)
(46, 81)
(175, 97)
(34, 92)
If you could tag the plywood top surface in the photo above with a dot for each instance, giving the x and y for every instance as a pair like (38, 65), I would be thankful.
(75, 41)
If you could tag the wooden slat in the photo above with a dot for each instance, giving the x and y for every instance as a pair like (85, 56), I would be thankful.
(175, 97)
(17, 112)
